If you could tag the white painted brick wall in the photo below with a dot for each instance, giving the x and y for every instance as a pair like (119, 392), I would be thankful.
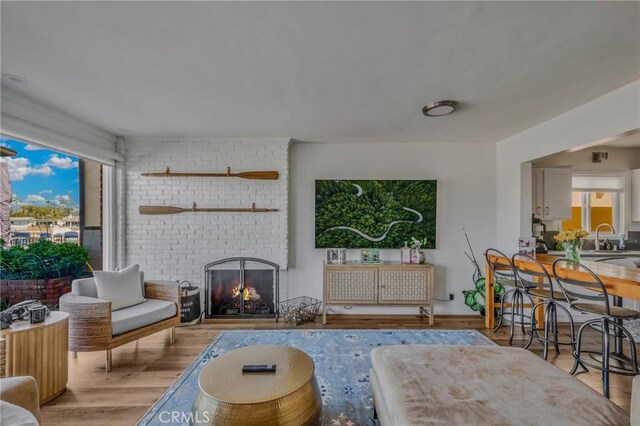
(176, 247)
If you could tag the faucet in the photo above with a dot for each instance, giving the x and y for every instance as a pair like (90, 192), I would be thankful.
(598, 233)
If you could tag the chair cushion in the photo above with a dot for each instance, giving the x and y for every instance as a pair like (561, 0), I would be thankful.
(21, 391)
(11, 414)
(122, 288)
(509, 282)
(87, 286)
(141, 315)
(599, 309)
(546, 294)
(84, 287)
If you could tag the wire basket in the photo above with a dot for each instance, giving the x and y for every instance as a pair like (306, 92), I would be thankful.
(299, 309)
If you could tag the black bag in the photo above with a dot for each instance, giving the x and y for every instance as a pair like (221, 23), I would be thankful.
(189, 302)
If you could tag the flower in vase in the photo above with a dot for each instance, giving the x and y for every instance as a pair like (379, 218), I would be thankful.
(572, 237)
(417, 244)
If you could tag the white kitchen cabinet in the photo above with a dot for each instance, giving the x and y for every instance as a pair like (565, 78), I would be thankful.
(551, 192)
(635, 195)
(537, 202)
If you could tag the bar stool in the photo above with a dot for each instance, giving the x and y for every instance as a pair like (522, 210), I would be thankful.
(505, 274)
(578, 281)
(537, 283)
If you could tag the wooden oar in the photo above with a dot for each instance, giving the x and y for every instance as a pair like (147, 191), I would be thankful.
(176, 210)
(258, 175)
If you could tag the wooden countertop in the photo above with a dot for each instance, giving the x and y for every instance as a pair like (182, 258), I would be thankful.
(25, 326)
(384, 263)
(606, 271)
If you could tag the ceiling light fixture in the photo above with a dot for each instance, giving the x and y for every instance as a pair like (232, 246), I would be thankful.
(14, 78)
(440, 108)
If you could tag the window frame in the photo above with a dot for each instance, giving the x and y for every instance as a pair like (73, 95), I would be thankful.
(617, 201)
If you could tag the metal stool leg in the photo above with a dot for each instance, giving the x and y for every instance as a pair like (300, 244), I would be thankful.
(533, 319)
(514, 303)
(634, 351)
(571, 327)
(554, 319)
(547, 325)
(534, 331)
(619, 330)
(521, 308)
(605, 356)
(576, 355)
(501, 314)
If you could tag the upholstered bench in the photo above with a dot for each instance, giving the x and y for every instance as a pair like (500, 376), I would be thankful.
(480, 385)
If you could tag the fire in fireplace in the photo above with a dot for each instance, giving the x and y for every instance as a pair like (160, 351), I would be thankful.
(242, 287)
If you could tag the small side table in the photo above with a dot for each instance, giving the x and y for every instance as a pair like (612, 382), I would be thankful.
(41, 351)
(290, 396)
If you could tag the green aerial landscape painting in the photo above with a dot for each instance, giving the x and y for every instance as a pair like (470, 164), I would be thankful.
(375, 213)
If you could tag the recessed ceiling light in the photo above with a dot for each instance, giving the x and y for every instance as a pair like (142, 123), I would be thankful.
(14, 78)
(439, 108)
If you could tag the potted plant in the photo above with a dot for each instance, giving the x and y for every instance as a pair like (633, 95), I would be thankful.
(476, 299)
(42, 271)
(417, 253)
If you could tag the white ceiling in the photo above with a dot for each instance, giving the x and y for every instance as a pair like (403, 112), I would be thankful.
(323, 72)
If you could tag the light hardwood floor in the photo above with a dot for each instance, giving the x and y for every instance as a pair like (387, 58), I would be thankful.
(143, 370)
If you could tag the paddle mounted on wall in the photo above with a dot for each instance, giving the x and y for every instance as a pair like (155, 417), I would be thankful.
(195, 208)
(256, 175)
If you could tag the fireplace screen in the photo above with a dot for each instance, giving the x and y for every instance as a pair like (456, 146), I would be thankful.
(241, 287)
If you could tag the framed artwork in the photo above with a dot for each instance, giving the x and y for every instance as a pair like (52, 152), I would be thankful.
(375, 213)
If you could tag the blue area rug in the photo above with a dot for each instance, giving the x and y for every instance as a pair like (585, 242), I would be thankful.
(341, 360)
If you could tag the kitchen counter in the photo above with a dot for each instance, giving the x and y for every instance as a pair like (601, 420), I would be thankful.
(601, 253)
(619, 280)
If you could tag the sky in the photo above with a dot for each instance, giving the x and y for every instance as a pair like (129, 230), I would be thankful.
(39, 175)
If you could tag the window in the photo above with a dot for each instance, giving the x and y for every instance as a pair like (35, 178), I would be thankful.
(596, 199)
(52, 196)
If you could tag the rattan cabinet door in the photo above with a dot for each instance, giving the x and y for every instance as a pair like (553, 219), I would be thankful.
(404, 286)
(356, 285)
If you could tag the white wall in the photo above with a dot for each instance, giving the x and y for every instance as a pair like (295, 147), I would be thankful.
(466, 199)
(176, 247)
(610, 115)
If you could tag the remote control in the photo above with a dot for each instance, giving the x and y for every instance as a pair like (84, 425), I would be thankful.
(259, 368)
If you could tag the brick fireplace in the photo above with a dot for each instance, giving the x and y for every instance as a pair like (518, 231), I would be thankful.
(242, 287)
(175, 247)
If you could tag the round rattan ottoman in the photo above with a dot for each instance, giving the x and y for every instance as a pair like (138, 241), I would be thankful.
(227, 396)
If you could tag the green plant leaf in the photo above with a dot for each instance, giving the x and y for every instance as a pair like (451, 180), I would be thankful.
(469, 298)
(480, 299)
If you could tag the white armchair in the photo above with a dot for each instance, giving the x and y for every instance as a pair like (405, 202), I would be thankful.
(19, 401)
(93, 326)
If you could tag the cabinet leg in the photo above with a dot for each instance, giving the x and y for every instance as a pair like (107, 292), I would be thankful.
(324, 314)
(431, 314)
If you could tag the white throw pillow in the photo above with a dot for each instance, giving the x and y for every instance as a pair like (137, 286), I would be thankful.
(122, 288)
